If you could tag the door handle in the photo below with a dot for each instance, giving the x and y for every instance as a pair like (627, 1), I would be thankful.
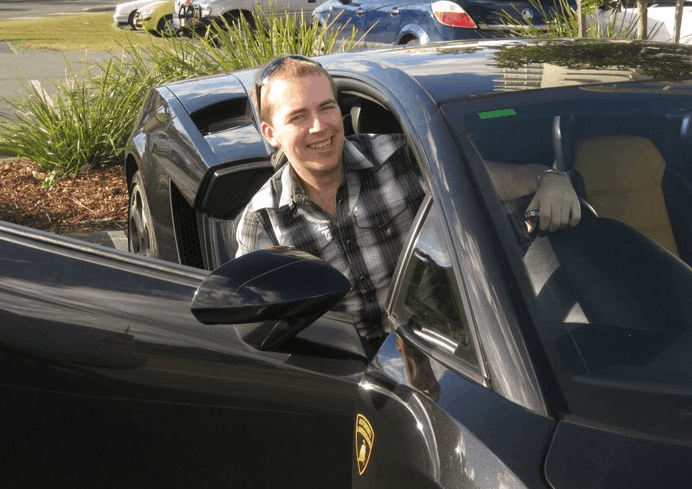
(394, 11)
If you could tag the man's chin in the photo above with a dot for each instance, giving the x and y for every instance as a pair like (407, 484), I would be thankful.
(325, 167)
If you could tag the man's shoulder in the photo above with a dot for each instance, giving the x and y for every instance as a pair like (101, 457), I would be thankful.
(269, 194)
(373, 150)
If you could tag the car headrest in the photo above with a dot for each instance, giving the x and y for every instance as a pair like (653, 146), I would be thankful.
(371, 118)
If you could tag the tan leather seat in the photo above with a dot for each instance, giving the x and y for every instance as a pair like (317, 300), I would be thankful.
(622, 176)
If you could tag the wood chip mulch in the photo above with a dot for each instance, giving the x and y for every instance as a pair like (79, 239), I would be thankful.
(94, 200)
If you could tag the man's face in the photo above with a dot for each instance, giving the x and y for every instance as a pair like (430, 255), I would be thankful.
(306, 123)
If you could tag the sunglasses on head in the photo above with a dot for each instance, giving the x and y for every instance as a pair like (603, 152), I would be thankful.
(271, 68)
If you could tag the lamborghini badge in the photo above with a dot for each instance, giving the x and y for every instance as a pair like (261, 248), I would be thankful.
(365, 438)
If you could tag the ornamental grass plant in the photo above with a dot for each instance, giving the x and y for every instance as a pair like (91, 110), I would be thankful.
(87, 118)
(603, 19)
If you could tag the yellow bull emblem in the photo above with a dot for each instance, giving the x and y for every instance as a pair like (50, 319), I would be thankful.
(365, 438)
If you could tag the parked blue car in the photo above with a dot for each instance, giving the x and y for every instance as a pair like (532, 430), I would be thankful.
(424, 21)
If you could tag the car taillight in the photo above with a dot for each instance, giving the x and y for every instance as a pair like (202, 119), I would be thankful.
(451, 14)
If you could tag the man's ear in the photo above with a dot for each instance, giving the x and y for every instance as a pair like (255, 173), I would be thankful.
(268, 133)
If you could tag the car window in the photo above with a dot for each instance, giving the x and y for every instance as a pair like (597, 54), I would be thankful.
(428, 301)
(609, 297)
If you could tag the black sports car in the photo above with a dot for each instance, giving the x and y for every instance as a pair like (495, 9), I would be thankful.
(516, 358)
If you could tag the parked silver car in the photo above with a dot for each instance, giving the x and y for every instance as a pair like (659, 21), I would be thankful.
(198, 15)
(124, 14)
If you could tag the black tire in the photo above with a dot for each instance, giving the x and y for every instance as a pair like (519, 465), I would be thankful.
(165, 26)
(131, 20)
(414, 41)
(141, 239)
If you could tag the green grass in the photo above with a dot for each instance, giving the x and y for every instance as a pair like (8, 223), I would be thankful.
(95, 32)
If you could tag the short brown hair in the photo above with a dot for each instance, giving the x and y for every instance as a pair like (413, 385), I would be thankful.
(289, 68)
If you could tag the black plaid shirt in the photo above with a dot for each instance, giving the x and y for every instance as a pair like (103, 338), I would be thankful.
(376, 204)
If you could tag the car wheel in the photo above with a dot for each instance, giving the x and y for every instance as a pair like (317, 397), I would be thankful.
(140, 226)
(131, 20)
(165, 26)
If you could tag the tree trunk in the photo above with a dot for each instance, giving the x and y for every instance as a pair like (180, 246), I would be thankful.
(641, 19)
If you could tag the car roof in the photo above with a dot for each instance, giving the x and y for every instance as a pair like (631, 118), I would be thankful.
(461, 69)
(455, 70)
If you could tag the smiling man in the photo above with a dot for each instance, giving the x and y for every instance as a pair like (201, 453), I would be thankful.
(351, 201)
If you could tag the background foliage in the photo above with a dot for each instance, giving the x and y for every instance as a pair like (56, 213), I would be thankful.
(602, 19)
(88, 118)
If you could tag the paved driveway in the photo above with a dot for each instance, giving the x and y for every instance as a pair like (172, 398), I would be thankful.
(18, 68)
(43, 66)
(29, 9)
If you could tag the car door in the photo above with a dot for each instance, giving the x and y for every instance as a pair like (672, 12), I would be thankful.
(426, 414)
(380, 21)
(293, 6)
(108, 378)
(373, 19)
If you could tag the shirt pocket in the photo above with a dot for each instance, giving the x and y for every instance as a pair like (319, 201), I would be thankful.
(384, 224)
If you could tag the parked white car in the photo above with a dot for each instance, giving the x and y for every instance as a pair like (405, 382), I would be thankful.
(124, 14)
(198, 15)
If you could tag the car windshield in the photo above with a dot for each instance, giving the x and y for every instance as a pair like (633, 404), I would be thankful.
(611, 298)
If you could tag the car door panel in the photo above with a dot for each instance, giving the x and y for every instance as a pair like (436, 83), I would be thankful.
(106, 374)
(350, 15)
(382, 21)
(447, 431)
(590, 456)
(427, 389)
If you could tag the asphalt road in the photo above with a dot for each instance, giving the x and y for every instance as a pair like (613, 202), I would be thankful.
(43, 66)
(29, 9)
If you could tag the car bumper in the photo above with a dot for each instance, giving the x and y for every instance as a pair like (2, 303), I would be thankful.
(120, 20)
(144, 23)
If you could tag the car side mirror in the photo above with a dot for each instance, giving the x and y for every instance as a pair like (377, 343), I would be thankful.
(280, 290)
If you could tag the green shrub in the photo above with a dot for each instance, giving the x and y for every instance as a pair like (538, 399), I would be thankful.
(82, 125)
(87, 121)
(563, 21)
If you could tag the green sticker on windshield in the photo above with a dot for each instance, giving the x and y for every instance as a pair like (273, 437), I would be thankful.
(497, 113)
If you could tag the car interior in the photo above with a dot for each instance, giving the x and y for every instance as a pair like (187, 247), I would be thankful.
(623, 175)
(609, 296)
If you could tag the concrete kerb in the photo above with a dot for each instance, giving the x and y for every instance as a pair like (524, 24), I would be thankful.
(112, 239)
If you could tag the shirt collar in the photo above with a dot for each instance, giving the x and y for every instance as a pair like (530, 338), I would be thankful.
(292, 192)
(353, 158)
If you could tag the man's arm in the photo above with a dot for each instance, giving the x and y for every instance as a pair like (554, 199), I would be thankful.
(555, 199)
(252, 233)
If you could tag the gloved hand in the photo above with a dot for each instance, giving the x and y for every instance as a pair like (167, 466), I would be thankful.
(556, 201)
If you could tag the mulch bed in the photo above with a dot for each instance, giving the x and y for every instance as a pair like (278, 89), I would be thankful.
(94, 200)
